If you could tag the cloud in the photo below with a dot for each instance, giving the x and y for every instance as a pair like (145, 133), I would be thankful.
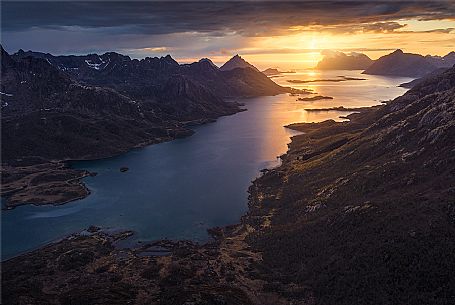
(443, 31)
(192, 28)
(247, 18)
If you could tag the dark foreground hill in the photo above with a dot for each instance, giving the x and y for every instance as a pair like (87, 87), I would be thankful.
(364, 212)
(360, 212)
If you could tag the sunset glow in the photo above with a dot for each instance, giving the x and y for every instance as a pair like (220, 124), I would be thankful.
(289, 36)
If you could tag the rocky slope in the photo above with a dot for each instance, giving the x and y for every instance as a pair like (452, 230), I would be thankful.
(363, 212)
(342, 61)
(416, 81)
(360, 212)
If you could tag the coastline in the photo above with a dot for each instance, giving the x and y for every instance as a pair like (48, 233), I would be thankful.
(228, 260)
(304, 225)
(60, 176)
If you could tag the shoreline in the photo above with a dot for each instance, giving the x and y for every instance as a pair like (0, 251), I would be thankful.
(228, 258)
(74, 188)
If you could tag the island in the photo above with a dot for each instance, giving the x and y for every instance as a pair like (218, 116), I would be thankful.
(335, 80)
(275, 72)
(315, 98)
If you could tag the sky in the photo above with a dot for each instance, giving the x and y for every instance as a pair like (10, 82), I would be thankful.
(284, 34)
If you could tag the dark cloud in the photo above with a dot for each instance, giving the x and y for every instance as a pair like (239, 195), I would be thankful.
(247, 18)
(194, 27)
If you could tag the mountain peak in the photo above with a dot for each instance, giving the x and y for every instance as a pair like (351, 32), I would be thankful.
(208, 62)
(237, 62)
(399, 63)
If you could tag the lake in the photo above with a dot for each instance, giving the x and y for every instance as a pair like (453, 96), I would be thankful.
(179, 189)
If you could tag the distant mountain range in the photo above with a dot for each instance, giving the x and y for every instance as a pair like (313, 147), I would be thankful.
(94, 106)
(399, 63)
(396, 63)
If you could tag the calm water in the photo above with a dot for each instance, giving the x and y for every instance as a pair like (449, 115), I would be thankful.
(180, 188)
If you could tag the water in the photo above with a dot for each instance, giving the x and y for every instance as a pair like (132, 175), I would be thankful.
(179, 189)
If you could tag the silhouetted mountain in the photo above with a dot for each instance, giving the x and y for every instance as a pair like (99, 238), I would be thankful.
(143, 79)
(401, 64)
(340, 61)
(237, 62)
(446, 61)
(48, 114)
(449, 58)
(142, 101)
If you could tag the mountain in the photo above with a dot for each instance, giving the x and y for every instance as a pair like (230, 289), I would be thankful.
(359, 212)
(399, 63)
(449, 58)
(143, 79)
(56, 108)
(446, 61)
(47, 114)
(341, 61)
(423, 78)
(237, 62)
(50, 113)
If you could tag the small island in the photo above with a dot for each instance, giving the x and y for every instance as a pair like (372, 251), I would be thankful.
(341, 78)
(315, 98)
(338, 108)
(275, 72)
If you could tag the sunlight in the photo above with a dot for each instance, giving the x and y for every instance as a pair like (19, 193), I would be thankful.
(313, 43)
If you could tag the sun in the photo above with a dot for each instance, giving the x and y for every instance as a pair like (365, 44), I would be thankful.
(313, 43)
